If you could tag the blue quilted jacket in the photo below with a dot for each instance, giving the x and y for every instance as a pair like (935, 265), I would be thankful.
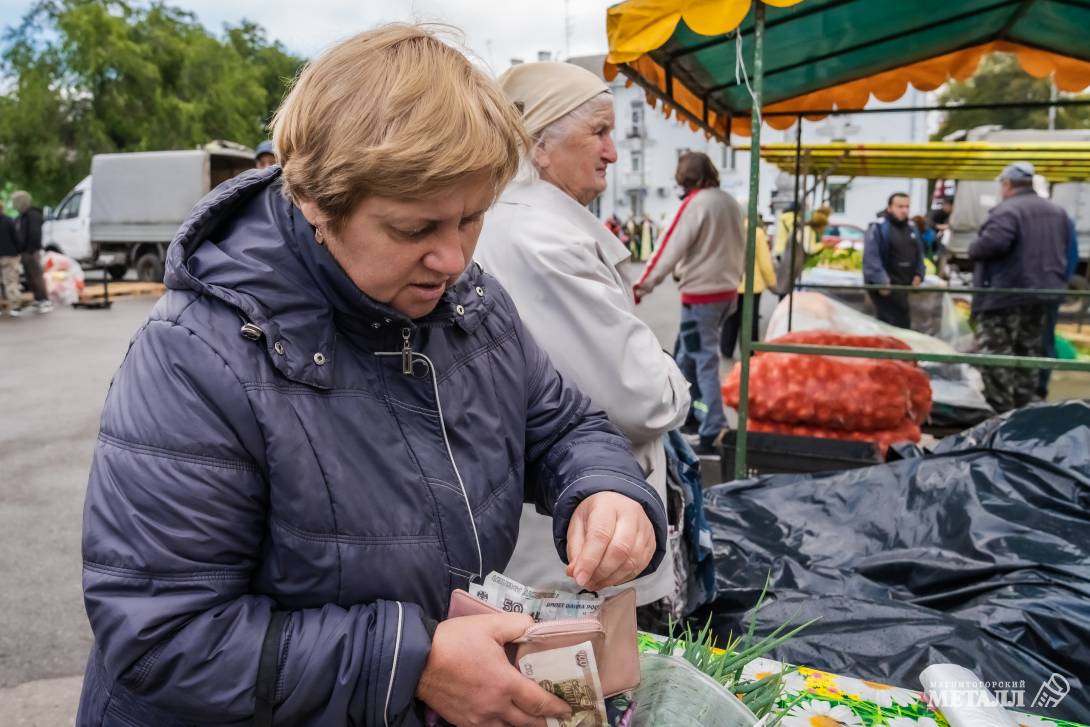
(290, 479)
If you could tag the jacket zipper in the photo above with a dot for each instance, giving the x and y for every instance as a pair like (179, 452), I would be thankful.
(407, 354)
(406, 351)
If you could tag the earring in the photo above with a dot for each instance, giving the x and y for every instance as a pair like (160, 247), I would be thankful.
(319, 236)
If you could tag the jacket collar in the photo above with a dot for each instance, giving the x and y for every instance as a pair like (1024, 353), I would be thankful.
(545, 194)
(245, 244)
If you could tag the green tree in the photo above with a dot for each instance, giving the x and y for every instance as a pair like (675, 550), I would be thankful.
(1000, 79)
(92, 76)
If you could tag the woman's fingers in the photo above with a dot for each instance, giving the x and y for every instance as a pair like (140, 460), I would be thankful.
(619, 552)
(610, 541)
(535, 703)
(632, 568)
(577, 529)
(598, 526)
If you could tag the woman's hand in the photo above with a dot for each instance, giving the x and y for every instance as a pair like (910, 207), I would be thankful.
(610, 541)
(469, 682)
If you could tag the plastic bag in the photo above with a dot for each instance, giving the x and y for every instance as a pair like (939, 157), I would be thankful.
(905, 432)
(63, 278)
(977, 554)
(934, 314)
(674, 692)
(875, 400)
(957, 390)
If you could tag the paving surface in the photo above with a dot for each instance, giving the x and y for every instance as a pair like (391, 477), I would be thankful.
(55, 372)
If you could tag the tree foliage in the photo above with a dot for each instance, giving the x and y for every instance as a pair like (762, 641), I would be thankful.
(1000, 79)
(82, 77)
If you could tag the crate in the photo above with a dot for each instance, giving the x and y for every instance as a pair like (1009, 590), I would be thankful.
(777, 453)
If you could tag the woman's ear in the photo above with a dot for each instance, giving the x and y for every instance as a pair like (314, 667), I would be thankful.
(539, 156)
(310, 212)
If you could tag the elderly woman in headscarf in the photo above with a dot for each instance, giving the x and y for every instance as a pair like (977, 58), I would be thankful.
(332, 419)
(563, 268)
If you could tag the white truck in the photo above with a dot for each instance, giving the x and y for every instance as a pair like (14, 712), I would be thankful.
(127, 211)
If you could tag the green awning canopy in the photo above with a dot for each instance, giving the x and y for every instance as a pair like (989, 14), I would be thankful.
(826, 54)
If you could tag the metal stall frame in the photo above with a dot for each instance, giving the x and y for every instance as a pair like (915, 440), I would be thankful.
(740, 469)
(749, 346)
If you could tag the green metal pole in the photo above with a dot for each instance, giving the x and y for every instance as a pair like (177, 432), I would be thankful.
(946, 289)
(976, 359)
(751, 235)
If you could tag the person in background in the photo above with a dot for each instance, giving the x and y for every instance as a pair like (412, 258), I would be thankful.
(1052, 312)
(893, 255)
(785, 224)
(1024, 244)
(9, 265)
(29, 226)
(564, 271)
(705, 247)
(264, 155)
(613, 224)
(765, 278)
(939, 217)
(928, 237)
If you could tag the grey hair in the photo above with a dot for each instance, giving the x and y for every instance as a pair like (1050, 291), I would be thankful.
(21, 200)
(557, 131)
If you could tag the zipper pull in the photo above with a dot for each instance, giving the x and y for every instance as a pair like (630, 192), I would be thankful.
(406, 351)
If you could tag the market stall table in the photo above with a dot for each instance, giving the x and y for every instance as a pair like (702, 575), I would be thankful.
(849, 702)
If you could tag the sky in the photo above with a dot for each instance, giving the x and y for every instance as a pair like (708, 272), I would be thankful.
(495, 30)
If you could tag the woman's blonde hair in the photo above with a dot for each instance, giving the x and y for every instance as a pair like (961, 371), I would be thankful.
(392, 112)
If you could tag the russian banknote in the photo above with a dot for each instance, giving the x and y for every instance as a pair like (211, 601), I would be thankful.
(570, 673)
(511, 596)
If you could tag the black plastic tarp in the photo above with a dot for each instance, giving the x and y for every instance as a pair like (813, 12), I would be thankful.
(976, 554)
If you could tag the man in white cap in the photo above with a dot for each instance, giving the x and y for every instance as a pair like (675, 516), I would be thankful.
(1022, 245)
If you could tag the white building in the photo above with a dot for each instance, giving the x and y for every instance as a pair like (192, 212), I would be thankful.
(648, 146)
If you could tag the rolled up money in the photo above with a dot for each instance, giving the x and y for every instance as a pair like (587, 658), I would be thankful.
(570, 673)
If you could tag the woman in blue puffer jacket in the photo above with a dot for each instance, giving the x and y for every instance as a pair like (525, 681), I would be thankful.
(332, 419)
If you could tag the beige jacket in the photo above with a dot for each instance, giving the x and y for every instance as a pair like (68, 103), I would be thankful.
(561, 266)
(705, 245)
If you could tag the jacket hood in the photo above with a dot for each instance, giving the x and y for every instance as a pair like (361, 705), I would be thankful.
(247, 246)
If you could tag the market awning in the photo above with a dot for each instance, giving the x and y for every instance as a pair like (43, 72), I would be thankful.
(1056, 161)
(833, 54)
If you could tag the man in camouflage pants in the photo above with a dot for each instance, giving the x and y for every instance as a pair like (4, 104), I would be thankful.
(1022, 245)
(1010, 331)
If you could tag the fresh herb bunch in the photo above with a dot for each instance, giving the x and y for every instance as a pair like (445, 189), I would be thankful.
(725, 663)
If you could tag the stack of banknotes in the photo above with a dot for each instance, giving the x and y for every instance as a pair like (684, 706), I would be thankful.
(570, 673)
(509, 595)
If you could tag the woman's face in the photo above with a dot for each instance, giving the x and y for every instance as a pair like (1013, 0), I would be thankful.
(405, 253)
(577, 164)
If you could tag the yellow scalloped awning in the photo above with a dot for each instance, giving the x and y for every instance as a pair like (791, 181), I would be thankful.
(637, 27)
(983, 161)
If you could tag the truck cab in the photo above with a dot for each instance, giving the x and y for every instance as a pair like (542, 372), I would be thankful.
(123, 216)
(67, 228)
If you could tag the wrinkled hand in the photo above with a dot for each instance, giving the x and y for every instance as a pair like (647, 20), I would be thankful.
(610, 541)
(469, 682)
